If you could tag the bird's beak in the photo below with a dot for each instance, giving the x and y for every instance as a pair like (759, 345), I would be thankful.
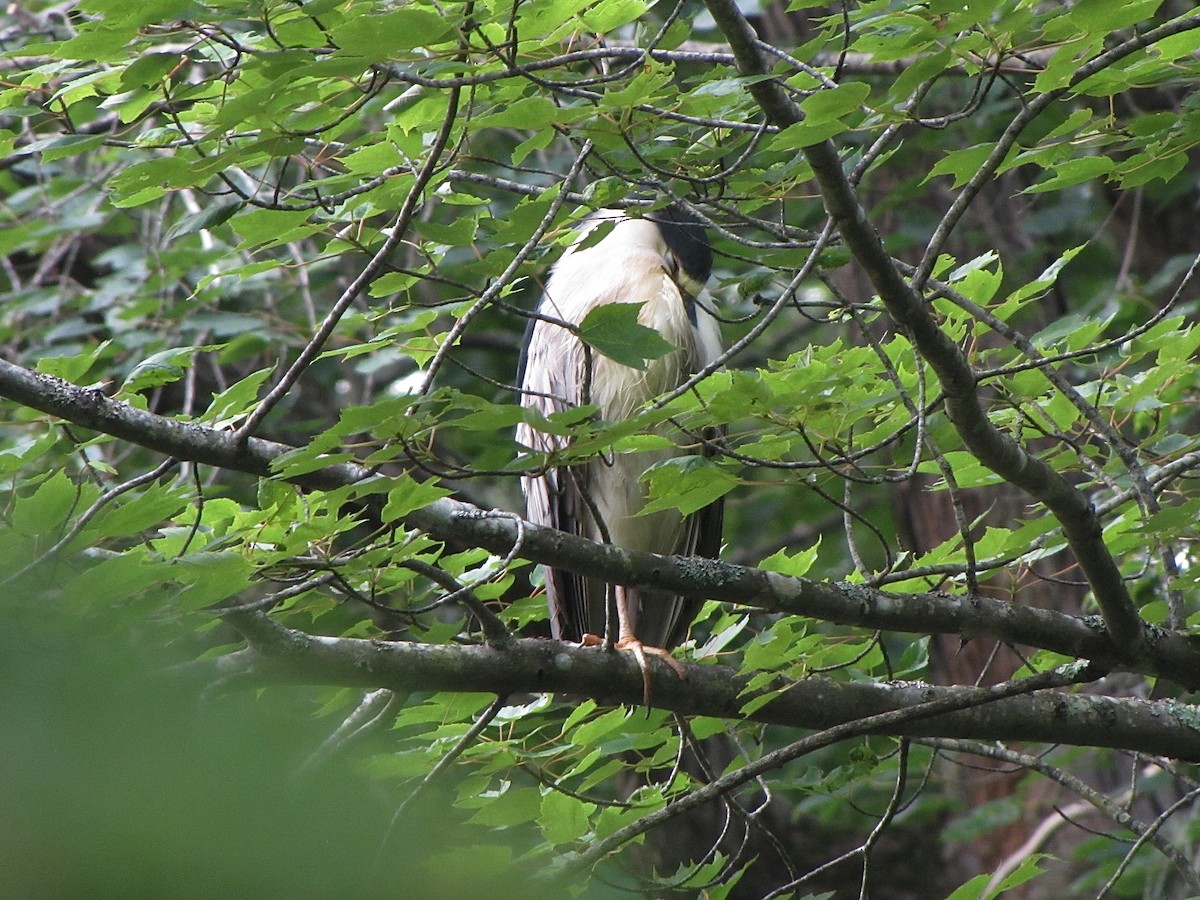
(688, 287)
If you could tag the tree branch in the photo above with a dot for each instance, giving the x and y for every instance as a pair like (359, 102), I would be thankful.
(1171, 655)
(992, 447)
(545, 666)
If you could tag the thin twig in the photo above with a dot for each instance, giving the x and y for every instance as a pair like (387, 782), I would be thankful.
(444, 763)
(102, 501)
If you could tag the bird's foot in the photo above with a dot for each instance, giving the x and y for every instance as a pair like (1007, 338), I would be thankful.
(637, 648)
(639, 651)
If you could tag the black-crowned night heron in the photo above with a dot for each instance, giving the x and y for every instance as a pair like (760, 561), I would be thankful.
(661, 261)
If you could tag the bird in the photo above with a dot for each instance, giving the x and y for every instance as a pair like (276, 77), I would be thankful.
(662, 261)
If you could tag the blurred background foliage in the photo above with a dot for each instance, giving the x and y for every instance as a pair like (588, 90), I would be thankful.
(128, 776)
(189, 187)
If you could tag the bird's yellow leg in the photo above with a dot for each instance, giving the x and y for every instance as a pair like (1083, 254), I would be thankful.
(629, 641)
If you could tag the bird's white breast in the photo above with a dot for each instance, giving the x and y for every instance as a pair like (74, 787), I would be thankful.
(618, 272)
(628, 265)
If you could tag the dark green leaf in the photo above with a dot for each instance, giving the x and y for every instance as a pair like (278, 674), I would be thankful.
(45, 512)
(613, 330)
(160, 368)
(214, 214)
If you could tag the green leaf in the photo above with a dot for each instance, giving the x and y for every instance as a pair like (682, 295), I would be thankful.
(540, 17)
(1072, 172)
(147, 510)
(976, 888)
(263, 225)
(528, 113)
(686, 483)
(1045, 280)
(721, 637)
(62, 146)
(578, 713)
(384, 36)
(409, 495)
(492, 417)
(149, 180)
(160, 368)
(613, 330)
(539, 140)
(149, 69)
(807, 133)
(45, 512)
(211, 577)
(236, 400)
(796, 565)
(1026, 871)
(72, 368)
(601, 727)
(962, 164)
(1102, 16)
(837, 102)
(392, 283)
(213, 214)
(1142, 168)
(563, 819)
(609, 14)
(118, 578)
(1073, 123)
(507, 808)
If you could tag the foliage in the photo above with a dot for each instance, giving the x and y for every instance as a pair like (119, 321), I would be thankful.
(323, 224)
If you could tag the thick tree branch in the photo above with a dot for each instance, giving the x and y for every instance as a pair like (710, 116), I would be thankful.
(1170, 655)
(545, 666)
(992, 447)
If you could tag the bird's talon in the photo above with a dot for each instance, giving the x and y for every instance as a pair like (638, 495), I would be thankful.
(639, 651)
